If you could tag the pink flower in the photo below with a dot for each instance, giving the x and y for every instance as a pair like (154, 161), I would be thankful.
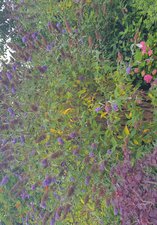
(136, 70)
(141, 44)
(150, 52)
(154, 72)
(148, 78)
(143, 47)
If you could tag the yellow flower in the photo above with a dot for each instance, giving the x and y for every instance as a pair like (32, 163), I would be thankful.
(67, 111)
(88, 1)
(126, 131)
(103, 114)
(136, 142)
(17, 205)
(53, 131)
(145, 131)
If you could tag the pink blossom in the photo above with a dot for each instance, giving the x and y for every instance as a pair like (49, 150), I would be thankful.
(154, 72)
(144, 50)
(142, 46)
(136, 70)
(150, 52)
(148, 78)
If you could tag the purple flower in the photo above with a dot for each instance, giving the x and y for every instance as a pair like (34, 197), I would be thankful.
(94, 146)
(22, 139)
(15, 140)
(63, 31)
(49, 47)
(4, 181)
(128, 70)
(25, 195)
(43, 205)
(76, 152)
(72, 135)
(56, 196)
(9, 75)
(24, 39)
(33, 152)
(72, 179)
(97, 109)
(42, 69)
(63, 163)
(91, 155)
(107, 107)
(34, 35)
(48, 180)
(115, 211)
(102, 166)
(29, 59)
(60, 141)
(11, 111)
(87, 180)
(4, 141)
(58, 25)
(14, 67)
(49, 24)
(109, 151)
(13, 89)
(53, 180)
(52, 222)
(44, 163)
(76, 31)
(81, 78)
(33, 187)
(115, 107)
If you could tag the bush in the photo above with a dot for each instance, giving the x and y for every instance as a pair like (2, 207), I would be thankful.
(69, 107)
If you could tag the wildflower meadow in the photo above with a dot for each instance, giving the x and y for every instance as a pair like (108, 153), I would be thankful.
(78, 113)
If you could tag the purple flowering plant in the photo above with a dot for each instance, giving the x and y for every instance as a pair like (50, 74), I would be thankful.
(70, 120)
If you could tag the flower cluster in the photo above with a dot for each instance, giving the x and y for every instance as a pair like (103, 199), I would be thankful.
(135, 195)
(144, 65)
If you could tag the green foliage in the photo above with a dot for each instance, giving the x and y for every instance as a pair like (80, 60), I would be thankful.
(148, 9)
